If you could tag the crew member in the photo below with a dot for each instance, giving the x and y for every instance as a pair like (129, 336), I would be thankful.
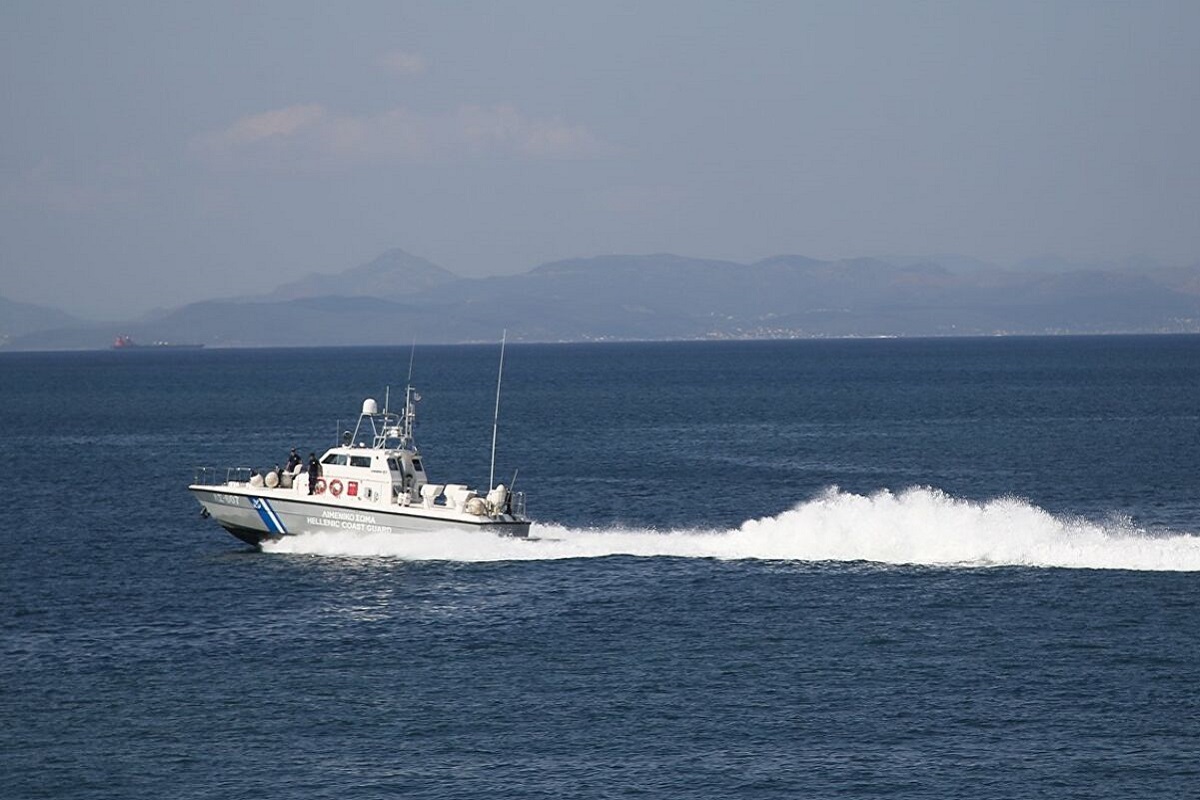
(314, 472)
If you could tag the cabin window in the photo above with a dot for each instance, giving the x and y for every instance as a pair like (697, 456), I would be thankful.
(360, 461)
(394, 465)
(417, 465)
(337, 460)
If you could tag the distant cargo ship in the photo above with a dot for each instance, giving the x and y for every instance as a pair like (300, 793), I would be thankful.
(127, 343)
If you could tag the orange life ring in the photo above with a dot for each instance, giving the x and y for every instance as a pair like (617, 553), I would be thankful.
(319, 486)
(335, 487)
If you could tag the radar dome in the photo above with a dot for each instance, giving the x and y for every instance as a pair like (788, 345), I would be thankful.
(370, 406)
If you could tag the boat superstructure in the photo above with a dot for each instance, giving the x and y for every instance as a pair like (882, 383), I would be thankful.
(373, 481)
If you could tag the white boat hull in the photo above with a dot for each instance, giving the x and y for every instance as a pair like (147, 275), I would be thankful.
(258, 514)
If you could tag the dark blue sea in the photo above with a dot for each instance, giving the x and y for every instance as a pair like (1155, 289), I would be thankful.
(886, 568)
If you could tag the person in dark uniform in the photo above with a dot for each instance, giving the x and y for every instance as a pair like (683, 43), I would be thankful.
(293, 461)
(314, 472)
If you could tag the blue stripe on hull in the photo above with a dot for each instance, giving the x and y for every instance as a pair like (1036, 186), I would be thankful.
(268, 515)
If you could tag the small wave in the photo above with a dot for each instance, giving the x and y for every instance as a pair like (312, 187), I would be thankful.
(919, 526)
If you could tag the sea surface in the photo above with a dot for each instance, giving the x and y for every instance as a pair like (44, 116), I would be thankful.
(884, 568)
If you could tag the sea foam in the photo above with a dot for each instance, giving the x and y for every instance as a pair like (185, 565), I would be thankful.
(919, 526)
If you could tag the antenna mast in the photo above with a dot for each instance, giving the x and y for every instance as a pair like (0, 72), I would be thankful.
(496, 418)
(410, 398)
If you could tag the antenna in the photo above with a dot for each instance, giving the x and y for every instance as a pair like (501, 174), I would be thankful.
(409, 398)
(496, 418)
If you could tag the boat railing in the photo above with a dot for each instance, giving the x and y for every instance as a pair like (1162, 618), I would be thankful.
(239, 474)
(207, 476)
(215, 476)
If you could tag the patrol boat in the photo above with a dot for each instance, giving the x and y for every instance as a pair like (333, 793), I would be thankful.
(373, 482)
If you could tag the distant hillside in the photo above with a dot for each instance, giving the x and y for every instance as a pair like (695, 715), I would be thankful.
(20, 319)
(394, 275)
(398, 298)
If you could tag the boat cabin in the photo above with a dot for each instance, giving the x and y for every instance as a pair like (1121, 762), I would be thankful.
(370, 473)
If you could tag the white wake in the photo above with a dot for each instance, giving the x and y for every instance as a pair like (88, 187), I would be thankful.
(918, 526)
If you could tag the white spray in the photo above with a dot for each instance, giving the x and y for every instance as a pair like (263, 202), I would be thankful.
(918, 526)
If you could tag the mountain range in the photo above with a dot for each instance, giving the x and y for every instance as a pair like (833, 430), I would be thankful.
(398, 298)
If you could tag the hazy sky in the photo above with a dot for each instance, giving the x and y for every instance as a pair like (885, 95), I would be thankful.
(158, 153)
